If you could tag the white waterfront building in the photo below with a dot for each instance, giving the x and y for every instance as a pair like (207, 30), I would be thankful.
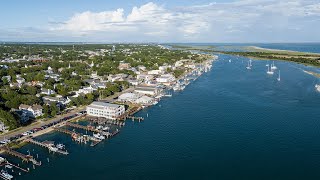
(106, 110)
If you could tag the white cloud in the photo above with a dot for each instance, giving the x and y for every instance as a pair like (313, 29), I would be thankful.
(242, 20)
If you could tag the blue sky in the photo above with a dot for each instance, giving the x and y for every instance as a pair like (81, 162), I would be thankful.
(160, 20)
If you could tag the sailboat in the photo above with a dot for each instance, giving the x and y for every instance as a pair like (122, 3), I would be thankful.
(279, 76)
(273, 67)
(269, 71)
(249, 65)
(229, 60)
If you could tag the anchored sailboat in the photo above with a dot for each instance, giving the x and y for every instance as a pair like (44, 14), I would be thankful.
(269, 71)
(279, 76)
(273, 67)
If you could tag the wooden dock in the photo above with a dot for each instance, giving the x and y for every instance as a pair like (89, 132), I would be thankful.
(66, 131)
(50, 148)
(16, 166)
(135, 118)
(26, 158)
(87, 128)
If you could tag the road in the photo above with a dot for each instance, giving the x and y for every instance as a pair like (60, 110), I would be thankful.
(40, 123)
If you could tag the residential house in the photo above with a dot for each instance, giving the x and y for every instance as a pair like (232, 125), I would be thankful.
(33, 111)
(47, 91)
(123, 65)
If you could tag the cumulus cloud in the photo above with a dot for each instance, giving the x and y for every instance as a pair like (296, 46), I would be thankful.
(241, 20)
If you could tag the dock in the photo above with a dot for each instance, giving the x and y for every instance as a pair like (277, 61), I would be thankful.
(87, 128)
(66, 131)
(104, 121)
(51, 148)
(26, 158)
(129, 112)
(16, 166)
(135, 118)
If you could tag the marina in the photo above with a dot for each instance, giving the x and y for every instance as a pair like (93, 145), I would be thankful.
(49, 145)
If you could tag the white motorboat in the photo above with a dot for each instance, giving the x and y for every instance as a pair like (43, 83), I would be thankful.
(99, 127)
(8, 166)
(106, 128)
(98, 136)
(60, 146)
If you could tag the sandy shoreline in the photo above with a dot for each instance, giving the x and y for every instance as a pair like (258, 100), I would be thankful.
(257, 48)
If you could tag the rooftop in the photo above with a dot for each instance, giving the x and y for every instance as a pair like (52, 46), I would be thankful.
(97, 104)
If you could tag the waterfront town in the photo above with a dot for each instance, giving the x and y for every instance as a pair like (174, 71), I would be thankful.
(85, 87)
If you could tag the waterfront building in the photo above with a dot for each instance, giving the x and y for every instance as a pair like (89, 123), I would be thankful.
(147, 90)
(106, 110)
(128, 97)
(145, 100)
(166, 79)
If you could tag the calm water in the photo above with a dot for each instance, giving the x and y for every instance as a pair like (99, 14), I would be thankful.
(229, 124)
(303, 47)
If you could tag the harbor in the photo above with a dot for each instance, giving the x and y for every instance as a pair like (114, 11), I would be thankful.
(88, 130)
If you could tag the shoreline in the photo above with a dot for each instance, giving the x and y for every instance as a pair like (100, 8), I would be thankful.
(261, 49)
(21, 142)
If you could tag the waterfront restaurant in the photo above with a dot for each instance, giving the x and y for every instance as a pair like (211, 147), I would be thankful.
(106, 110)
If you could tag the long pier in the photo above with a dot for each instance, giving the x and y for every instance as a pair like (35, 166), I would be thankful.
(27, 158)
(50, 148)
(16, 166)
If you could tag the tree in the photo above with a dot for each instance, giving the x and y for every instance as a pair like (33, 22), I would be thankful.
(8, 119)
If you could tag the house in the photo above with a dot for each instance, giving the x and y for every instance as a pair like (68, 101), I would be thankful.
(154, 72)
(8, 78)
(145, 100)
(145, 77)
(87, 90)
(123, 65)
(178, 64)
(141, 68)
(56, 77)
(59, 100)
(47, 91)
(147, 90)
(20, 80)
(32, 111)
(128, 97)
(94, 75)
(133, 82)
(117, 77)
(49, 70)
(106, 110)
